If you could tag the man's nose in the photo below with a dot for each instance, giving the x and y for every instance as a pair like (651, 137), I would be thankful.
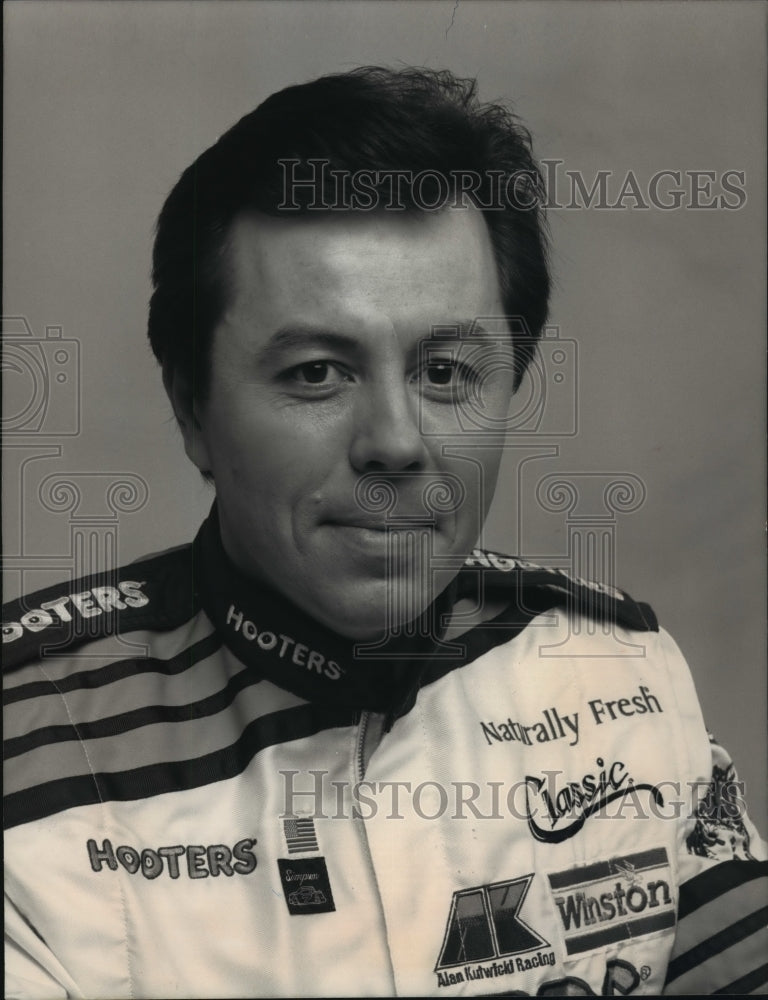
(386, 435)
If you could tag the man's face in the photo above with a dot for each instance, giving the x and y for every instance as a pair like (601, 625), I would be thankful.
(318, 381)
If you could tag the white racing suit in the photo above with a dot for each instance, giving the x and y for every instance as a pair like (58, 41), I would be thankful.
(209, 795)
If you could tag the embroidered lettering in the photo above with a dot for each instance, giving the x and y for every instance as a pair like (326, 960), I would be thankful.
(201, 861)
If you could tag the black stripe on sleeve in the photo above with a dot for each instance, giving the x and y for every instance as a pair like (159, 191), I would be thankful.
(747, 984)
(156, 779)
(713, 882)
(115, 725)
(725, 938)
(167, 583)
(117, 671)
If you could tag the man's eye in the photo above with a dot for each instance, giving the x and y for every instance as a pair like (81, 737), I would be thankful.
(318, 374)
(314, 379)
(314, 372)
(446, 375)
(441, 372)
(446, 380)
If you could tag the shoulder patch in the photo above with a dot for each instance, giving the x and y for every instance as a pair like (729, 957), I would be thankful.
(540, 588)
(156, 593)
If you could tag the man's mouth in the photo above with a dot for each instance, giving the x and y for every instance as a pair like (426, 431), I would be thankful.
(381, 541)
(401, 523)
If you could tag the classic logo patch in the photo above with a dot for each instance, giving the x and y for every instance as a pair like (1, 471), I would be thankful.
(614, 900)
(306, 886)
(485, 923)
(558, 810)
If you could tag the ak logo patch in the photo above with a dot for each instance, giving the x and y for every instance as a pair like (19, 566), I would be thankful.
(306, 886)
(484, 924)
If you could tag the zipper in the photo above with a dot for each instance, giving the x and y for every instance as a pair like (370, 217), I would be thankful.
(365, 718)
(368, 738)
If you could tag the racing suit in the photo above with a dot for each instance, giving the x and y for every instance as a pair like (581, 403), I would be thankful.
(209, 794)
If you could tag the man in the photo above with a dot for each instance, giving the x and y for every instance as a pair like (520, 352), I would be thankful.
(339, 755)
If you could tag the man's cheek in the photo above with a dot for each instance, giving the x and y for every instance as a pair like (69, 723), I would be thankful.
(259, 455)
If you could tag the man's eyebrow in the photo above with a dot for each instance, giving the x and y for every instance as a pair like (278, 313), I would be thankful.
(302, 335)
(466, 329)
(295, 336)
(457, 326)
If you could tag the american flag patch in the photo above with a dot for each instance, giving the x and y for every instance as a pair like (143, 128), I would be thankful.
(300, 835)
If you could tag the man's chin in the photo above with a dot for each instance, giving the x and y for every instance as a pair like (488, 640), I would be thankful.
(371, 616)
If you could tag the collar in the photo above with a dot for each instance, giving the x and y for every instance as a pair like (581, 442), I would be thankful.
(270, 634)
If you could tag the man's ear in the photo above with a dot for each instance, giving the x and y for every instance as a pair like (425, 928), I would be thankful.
(183, 402)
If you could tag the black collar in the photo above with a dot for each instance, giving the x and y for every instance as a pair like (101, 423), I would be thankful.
(270, 634)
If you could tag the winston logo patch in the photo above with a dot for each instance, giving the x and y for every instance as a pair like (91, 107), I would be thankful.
(608, 901)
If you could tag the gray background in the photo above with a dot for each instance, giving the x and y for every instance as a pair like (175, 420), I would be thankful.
(105, 104)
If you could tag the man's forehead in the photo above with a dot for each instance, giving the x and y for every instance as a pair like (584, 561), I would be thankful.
(441, 262)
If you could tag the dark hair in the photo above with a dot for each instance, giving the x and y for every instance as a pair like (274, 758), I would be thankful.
(371, 119)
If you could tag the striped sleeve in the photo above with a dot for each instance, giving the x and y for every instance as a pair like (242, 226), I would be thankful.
(721, 943)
